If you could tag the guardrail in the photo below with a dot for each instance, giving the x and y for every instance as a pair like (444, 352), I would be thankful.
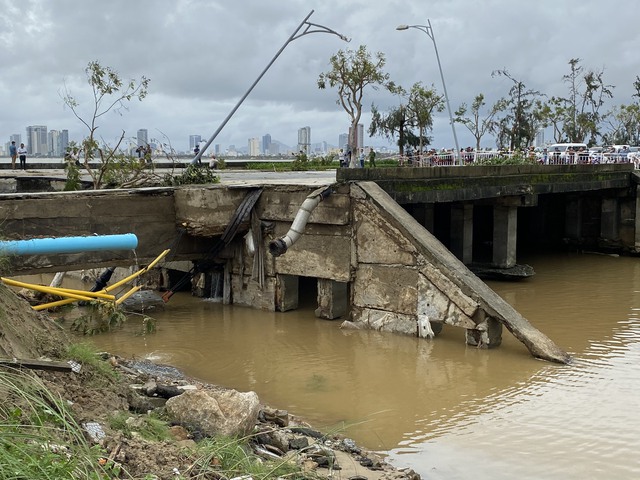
(470, 158)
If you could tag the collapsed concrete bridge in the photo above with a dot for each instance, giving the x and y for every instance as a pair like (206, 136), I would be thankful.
(374, 264)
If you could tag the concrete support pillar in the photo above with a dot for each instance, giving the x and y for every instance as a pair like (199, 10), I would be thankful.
(286, 292)
(487, 335)
(462, 232)
(333, 299)
(610, 219)
(573, 219)
(424, 215)
(505, 236)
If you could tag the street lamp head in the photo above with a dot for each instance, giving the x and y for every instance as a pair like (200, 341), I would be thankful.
(402, 27)
(343, 37)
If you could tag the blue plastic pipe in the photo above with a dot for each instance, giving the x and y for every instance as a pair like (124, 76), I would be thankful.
(39, 246)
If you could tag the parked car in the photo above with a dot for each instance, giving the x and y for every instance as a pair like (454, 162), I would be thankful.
(634, 156)
(568, 153)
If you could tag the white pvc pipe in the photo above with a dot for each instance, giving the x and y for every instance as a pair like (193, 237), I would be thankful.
(279, 246)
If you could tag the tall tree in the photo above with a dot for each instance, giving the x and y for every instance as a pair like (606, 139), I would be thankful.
(518, 126)
(552, 114)
(110, 93)
(422, 103)
(587, 94)
(477, 125)
(351, 72)
(624, 125)
(393, 125)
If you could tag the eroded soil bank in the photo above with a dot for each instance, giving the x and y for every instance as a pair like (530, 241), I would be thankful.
(96, 400)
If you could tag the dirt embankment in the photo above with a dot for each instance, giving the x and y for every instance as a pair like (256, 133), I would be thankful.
(26, 334)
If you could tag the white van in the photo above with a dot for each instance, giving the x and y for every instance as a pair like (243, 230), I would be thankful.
(560, 153)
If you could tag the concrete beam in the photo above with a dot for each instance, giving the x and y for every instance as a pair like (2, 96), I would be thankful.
(505, 232)
(462, 232)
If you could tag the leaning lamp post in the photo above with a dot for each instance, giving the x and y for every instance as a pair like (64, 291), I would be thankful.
(429, 31)
(305, 28)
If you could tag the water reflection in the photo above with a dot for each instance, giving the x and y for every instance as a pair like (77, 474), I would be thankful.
(447, 410)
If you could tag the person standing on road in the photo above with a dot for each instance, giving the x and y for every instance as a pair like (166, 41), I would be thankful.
(22, 153)
(372, 158)
(13, 151)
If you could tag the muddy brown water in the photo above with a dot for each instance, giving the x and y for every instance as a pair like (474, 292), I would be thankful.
(445, 409)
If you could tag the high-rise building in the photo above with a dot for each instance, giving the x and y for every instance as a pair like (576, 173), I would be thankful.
(37, 140)
(64, 141)
(53, 143)
(343, 140)
(304, 139)
(540, 138)
(254, 147)
(274, 149)
(143, 137)
(266, 144)
(57, 142)
(193, 141)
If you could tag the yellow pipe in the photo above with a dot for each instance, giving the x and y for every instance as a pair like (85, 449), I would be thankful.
(84, 292)
(128, 294)
(139, 272)
(72, 298)
(57, 303)
(41, 288)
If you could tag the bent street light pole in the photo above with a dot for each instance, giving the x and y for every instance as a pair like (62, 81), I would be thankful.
(429, 31)
(309, 28)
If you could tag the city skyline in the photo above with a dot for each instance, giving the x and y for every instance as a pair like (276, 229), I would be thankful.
(40, 141)
(198, 76)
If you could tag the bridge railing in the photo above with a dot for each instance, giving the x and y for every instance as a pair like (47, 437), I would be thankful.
(552, 158)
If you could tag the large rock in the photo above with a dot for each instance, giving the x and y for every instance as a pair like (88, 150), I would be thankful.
(213, 412)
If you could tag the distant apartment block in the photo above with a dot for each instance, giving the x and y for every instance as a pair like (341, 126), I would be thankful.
(37, 144)
(304, 139)
(193, 141)
(343, 140)
(254, 147)
(143, 137)
(266, 144)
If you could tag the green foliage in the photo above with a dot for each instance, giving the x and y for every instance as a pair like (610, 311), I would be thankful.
(72, 168)
(125, 170)
(624, 122)
(229, 458)
(110, 92)
(515, 159)
(39, 438)
(192, 175)
(422, 103)
(149, 427)
(100, 317)
(316, 163)
(518, 127)
(301, 162)
(351, 72)
(92, 363)
(476, 124)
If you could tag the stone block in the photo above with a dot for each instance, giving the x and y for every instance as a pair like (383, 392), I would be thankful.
(385, 321)
(378, 241)
(389, 288)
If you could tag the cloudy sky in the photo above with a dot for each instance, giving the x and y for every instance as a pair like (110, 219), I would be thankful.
(203, 55)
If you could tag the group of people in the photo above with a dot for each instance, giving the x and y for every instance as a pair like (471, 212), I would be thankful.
(18, 152)
(144, 153)
(345, 158)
